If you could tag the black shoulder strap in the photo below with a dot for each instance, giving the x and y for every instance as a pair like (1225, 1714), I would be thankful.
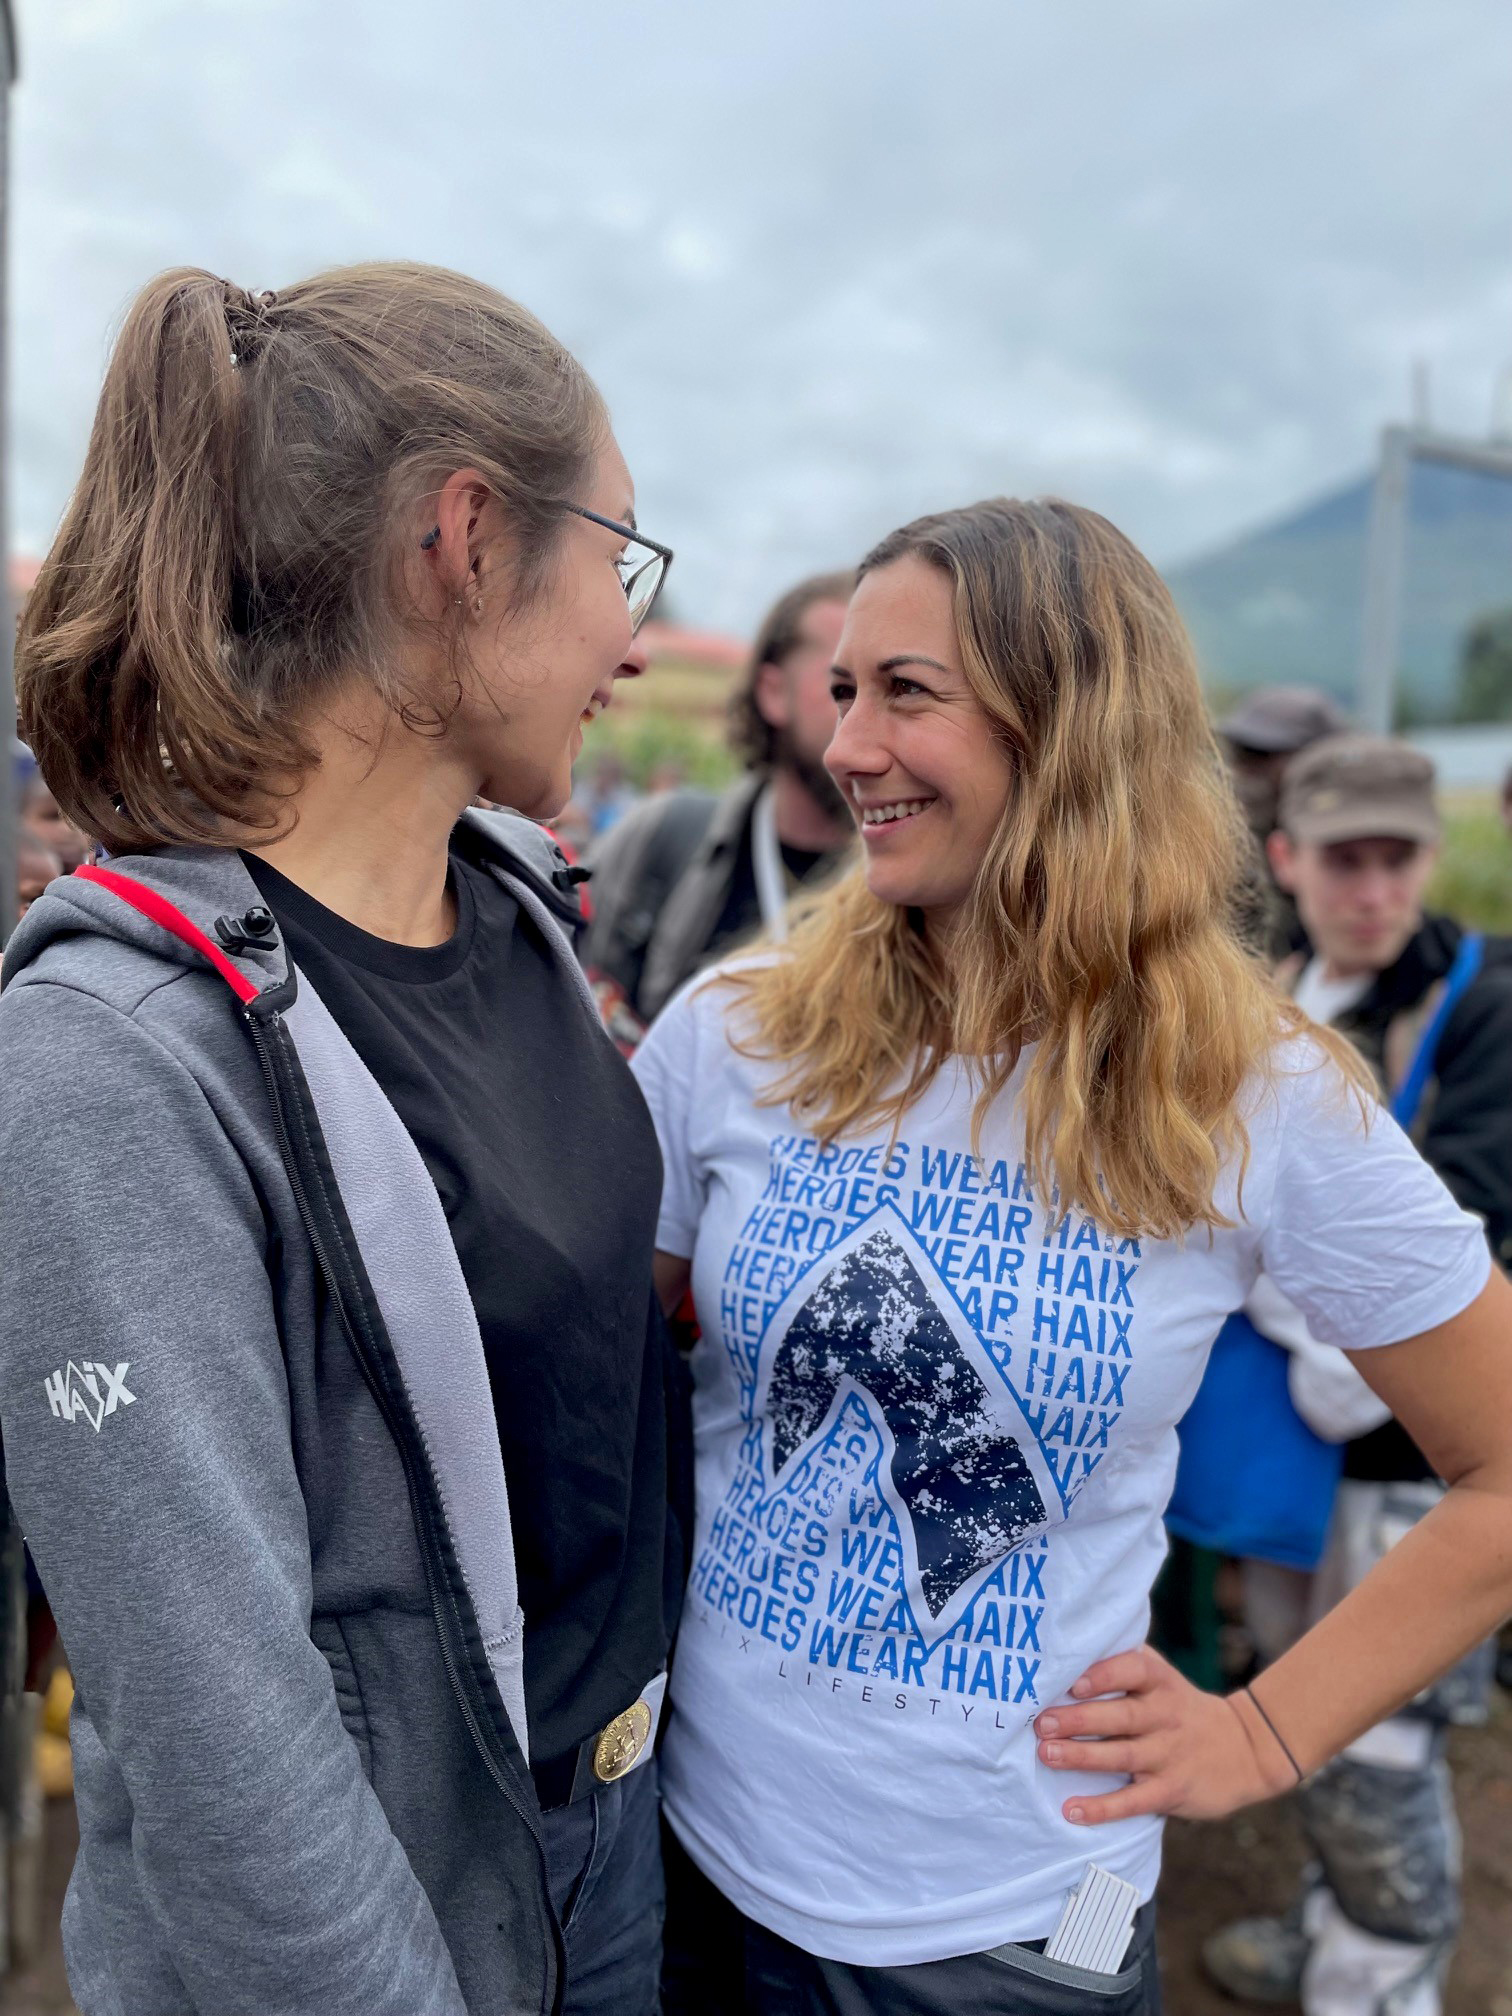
(675, 839)
(678, 828)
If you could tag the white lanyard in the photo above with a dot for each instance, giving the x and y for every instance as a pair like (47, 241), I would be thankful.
(766, 860)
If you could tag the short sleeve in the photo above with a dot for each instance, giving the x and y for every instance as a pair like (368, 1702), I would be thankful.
(1362, 1234)
(666, 1067)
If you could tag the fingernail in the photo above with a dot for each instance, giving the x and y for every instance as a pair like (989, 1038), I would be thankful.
(1049, 1726)
(1081, 1687)
(1074, 1813)
(1050, 1752)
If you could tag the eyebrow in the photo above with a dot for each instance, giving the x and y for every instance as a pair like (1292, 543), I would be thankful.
(911, 658)
(892, 664)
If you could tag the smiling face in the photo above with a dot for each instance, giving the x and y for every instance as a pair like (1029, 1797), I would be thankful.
(538, 679)
(914, 751)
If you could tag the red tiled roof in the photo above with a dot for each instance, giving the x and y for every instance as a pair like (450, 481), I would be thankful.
(697, 647)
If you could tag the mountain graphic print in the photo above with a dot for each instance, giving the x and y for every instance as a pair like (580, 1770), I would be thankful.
(960, 1476)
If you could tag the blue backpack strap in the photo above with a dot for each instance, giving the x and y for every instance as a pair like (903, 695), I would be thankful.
(1409, 1094)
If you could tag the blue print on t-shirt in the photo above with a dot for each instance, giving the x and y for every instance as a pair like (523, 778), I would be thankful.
(930, 1366)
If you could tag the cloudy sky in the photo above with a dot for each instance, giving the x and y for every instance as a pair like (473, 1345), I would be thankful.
(834, 262)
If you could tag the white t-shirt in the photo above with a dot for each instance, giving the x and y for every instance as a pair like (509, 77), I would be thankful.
(934, 1443)
(1324, 999)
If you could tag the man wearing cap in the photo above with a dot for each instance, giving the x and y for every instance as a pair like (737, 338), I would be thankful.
(1261, 736)
(1430, 1007)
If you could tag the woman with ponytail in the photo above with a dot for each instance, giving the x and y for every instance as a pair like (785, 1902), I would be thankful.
(966, 1175)
(333, 1385)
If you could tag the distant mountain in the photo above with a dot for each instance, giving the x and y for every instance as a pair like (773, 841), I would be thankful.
(1284, 603)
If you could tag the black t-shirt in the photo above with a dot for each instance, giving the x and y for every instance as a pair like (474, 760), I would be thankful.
(741, 916)
(546, 1163)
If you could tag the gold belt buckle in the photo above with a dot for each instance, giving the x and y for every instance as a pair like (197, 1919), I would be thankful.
(621, 1742)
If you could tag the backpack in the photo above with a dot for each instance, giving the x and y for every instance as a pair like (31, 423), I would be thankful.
(1254, 1479)
(676, 835)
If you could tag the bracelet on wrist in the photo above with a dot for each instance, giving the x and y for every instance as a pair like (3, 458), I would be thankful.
(1285, 1747)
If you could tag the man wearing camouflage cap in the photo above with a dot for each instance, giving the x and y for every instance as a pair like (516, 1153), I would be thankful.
(1430, 1007)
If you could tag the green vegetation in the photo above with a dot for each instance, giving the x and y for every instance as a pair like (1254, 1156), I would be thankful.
(1474, 879)
(648, 741)
(1485, 672)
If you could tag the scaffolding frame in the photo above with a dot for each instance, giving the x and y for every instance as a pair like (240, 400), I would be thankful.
(1386, 553)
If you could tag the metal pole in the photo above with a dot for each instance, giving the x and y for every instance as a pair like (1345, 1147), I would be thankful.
(1381, 621)
(8, 806)
(1381, 628)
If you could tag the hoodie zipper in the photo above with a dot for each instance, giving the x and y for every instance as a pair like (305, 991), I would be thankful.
(266, 1030)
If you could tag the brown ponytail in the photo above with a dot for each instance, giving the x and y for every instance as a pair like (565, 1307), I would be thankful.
(229, 555)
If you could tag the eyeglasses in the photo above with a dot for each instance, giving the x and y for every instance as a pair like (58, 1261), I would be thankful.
(641, 573)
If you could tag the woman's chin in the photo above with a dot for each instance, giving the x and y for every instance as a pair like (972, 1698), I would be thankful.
(890, 882)
(552, 802)
(541, 797)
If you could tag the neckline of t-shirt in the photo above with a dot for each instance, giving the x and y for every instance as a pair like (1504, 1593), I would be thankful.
(416, 965)
(1337, 997)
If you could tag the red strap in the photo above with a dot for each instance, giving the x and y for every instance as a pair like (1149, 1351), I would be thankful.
(162, 912)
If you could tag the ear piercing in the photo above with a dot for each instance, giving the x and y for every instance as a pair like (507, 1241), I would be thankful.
(426, 544)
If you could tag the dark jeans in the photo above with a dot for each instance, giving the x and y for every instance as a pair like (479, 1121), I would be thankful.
(603, 1862)
(718, 1963)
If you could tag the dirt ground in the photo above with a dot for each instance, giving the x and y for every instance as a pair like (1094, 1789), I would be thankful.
(1212, 1873)
(1250, 1864)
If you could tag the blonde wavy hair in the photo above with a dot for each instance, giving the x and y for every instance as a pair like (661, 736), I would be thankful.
(1103, 921)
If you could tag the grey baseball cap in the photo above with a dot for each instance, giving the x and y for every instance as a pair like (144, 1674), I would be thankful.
(1275, 720)
(1360, 787)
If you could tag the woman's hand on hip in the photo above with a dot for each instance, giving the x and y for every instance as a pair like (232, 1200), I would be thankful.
(1185, 1752)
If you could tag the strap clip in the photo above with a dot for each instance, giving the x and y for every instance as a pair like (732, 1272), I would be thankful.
(254, 931)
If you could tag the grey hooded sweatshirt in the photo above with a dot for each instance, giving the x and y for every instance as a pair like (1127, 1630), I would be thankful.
(249, 1435)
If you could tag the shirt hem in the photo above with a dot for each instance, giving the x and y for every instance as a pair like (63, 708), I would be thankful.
(862, 1946)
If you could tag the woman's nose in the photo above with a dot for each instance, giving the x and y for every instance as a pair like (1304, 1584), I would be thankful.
(634, 662)
(854, 750)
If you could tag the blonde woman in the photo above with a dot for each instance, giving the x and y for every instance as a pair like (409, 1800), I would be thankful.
(966, 1177)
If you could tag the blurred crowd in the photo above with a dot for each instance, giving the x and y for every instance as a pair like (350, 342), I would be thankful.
(46, 844)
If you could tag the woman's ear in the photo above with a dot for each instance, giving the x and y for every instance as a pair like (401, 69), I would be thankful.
(456, 549)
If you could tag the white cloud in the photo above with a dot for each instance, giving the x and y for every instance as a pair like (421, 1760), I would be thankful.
(833, 265)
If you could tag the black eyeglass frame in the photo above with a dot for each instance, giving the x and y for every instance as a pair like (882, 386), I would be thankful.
(654, 547)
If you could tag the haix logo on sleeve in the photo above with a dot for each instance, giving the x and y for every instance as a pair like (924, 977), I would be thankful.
(88, 1389)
